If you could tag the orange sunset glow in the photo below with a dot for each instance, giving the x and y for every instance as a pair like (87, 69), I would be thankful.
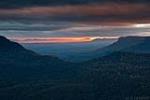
(60, 39)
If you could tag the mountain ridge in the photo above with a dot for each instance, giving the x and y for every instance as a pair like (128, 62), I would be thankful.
(118, 76)
(123, 44)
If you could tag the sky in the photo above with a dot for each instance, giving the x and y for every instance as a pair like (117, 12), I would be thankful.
(49, 21)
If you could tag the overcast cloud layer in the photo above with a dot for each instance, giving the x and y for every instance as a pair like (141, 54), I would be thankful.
(74, 18)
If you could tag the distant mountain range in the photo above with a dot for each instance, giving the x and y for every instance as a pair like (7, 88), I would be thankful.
(130, 44)
(121, 74)
(68, 51)
(80, 52)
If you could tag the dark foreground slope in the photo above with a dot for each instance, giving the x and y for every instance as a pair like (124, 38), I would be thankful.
(29, 76)
(23, 72)
(17, 61)
(120, 76)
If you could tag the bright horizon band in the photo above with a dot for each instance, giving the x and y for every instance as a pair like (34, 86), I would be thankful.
(60, 39)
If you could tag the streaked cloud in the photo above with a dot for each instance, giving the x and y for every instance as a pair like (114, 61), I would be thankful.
(91, 13)
(40, 31)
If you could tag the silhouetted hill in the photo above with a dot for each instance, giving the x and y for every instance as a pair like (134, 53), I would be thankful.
(17, 61)
(141, 47)
(8, 47)
(133, 44)
(25, 74)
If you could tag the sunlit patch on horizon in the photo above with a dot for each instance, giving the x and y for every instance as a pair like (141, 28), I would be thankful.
(141, 25)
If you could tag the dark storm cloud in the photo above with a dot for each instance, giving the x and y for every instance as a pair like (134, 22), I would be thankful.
(90, 13)
(29, 3)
